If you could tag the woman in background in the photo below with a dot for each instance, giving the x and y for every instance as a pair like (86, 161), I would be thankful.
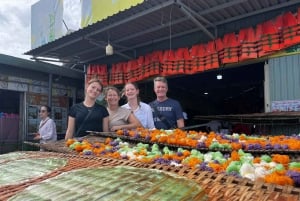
(141, 110)
(119, 118)
(47, 128)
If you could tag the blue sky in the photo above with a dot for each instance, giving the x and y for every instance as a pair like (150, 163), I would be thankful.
(15, 28)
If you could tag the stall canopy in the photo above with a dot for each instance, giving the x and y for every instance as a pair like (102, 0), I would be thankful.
(157, 24)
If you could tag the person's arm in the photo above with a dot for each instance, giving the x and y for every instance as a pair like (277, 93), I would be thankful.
(180, 123)
(179, 115)
(133, 123)
(150, 121)
(71, 128)
(47, 131)
(105, 126)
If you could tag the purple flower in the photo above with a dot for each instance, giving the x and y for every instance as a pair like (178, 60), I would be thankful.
(125, 132)
(277, 146)
(96, 145)
(268, 146)
(147, 138)
(201, 145)
(179, 154)
(114, 143)
(87, 152)
(203, 166)
(136, 136)
(226, 156)
(295, 176)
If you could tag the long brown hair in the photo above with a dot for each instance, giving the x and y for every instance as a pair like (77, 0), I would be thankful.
(136, 87)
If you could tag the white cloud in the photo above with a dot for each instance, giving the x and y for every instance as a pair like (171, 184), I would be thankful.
(15, 28)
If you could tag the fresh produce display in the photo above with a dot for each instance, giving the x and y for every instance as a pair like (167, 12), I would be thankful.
(18, 171)
(214, 141)
(275, 168)
(114, 183)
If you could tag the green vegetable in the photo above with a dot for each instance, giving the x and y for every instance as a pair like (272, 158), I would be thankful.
(279, 167)
(266, 158)
(294, 165)
(234, 166)
(214, 145)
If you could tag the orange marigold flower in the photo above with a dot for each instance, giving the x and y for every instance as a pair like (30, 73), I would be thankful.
(279, 177)
(119, 132)
(70, 141)
(256, 160)
(235, 156)
(283, 159)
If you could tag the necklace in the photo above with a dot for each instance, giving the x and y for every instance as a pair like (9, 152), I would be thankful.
(88, 104)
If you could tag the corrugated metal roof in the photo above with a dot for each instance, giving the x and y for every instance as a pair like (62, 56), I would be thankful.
(39, 67)
(157, 21)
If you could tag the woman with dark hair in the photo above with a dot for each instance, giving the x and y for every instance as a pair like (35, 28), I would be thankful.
(47, 127)
(88, 115)
(141, 110)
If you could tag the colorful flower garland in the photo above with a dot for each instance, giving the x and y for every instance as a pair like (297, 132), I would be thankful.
(277, 168)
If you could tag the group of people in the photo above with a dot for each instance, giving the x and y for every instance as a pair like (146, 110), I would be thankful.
(162, 113)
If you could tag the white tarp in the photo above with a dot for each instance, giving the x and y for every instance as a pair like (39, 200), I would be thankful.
(46, 22)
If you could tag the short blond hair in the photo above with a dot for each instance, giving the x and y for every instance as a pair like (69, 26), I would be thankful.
(160, 79)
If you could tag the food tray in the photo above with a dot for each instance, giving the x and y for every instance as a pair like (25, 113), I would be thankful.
(295, 154)
(217, 186)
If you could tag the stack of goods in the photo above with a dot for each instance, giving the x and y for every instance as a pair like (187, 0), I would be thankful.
(97, 71)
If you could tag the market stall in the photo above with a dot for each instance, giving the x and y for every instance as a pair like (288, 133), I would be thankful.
(174, 39)
(225, 167)
(216, 187)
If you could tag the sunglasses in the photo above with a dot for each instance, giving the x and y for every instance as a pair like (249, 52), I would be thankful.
(42, 111)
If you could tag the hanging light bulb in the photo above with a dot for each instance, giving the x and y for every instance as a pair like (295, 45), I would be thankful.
(109, 50)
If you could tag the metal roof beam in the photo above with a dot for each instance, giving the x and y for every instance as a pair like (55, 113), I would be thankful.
(221, 6)
(197, 29)
(133, 17)
(153, 29)
(40, 66)
(187, 11)
(156, 28)
(92, 41)
(147, 43)
(257, 12)
(58, 46)
(180, 3)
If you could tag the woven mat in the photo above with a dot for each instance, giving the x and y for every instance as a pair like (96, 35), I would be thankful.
(218, 187)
